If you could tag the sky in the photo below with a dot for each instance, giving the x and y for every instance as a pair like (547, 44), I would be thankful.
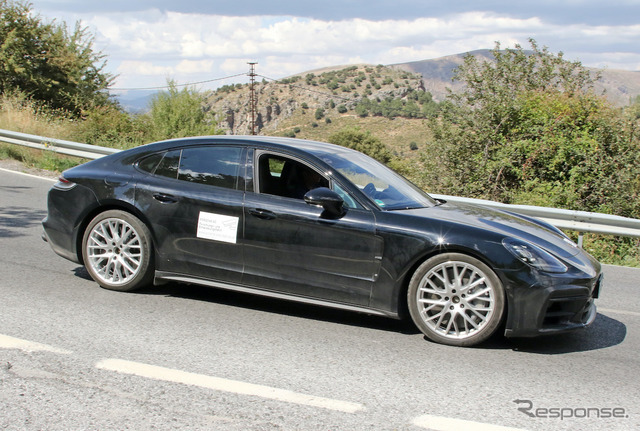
(190, 41)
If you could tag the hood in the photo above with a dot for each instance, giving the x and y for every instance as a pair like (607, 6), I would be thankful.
(505, 223)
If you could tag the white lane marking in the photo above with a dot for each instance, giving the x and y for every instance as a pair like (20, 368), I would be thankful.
(220, 384)
(612, 310)
(440, 423)
(27, 175)
(7, 342)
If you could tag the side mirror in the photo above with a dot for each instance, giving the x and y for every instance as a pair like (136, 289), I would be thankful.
(326, 198)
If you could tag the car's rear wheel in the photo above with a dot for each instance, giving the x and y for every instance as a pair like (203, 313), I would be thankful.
(117, 251)
(456, 299)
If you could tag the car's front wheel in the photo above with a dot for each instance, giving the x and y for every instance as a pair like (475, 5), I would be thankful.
(117, 251)
(456, 299)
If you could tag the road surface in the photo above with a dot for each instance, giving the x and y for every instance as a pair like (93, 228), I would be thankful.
(74, 356)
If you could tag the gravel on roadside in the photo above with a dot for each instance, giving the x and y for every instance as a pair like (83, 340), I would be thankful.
(15, 165)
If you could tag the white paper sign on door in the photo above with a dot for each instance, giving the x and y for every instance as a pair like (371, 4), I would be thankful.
(217, 227)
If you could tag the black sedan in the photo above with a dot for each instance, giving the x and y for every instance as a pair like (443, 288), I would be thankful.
(321, 224)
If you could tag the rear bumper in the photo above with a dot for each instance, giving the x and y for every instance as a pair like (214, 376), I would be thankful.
(62, 243)
(66, 210)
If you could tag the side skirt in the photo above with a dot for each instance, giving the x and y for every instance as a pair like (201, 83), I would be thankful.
(162, 277)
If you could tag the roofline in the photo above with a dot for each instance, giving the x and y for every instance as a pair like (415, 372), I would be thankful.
(284, 142)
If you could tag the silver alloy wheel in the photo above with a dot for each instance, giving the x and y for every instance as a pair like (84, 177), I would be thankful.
(114, 251)
(456, 299)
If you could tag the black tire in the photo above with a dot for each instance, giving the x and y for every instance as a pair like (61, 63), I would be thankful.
(456, 299)
(117, 251)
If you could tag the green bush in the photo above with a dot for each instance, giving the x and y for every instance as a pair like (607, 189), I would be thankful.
(362, 141)
(108, 126)
(179, 113)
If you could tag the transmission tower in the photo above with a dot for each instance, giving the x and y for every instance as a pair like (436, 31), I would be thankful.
(252, 96)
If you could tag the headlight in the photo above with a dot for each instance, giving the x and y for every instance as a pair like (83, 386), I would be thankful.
(534, 256)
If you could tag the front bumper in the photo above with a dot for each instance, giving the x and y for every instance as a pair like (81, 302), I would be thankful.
(552, 310)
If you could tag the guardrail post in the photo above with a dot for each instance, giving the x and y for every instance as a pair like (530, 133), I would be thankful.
(580, 239)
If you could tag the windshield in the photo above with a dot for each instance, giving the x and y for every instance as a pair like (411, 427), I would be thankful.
(387, 189)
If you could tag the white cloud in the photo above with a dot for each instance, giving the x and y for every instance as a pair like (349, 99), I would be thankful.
(194, 66)
(144, 68)
(149, 46)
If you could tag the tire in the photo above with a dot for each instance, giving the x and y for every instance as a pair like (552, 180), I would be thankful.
(456, 299)
(117, 251)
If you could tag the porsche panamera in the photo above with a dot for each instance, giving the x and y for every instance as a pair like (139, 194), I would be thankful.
(322, 224)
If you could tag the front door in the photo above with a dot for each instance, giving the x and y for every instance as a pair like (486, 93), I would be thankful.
(291, 247)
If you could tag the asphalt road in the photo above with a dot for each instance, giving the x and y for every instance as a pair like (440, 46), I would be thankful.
(74, 356)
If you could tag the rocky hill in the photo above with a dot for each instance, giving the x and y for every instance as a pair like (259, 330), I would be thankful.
(322, 93)
(314, 99)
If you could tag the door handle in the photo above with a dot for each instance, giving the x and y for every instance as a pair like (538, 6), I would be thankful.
(263, 214)
(165, 199)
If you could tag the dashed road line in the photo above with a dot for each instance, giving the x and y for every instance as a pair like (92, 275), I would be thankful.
(193, 379)
(440, 423)
(7, 342)
(225, 385)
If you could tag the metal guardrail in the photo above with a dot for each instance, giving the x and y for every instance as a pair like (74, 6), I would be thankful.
(56, 145)
(581, 221)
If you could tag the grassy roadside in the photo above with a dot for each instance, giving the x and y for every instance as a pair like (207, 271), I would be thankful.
(37, 159)
(24, 116)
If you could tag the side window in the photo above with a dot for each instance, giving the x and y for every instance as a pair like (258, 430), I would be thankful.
(168, 166)
(215, 166)
(286, 177)
(149, 163)
(349, 202)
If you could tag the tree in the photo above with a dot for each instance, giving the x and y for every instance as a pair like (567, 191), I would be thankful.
(516, 70)
(528, 128)
(179, 113)
(49, 63)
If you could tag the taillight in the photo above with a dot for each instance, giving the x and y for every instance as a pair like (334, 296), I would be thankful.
(64, 184)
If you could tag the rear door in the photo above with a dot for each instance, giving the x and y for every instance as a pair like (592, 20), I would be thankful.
(193, 199)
